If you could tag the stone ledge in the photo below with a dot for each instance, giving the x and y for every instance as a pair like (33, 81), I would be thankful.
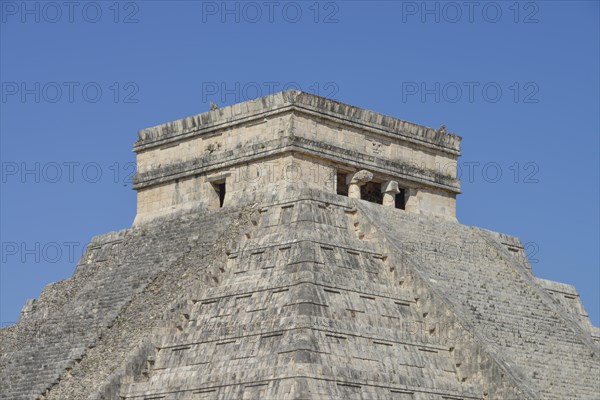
(211, 162)
(300, 101)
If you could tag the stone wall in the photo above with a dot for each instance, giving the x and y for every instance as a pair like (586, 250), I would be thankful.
(301, 294)
(178, 162)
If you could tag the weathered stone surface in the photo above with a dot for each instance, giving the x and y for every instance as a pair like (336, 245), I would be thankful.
(291, 138)
(279, 288)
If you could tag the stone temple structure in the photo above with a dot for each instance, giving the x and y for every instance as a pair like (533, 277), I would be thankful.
(294, 247)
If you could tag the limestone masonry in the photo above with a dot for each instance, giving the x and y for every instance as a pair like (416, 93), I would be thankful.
(294, 247)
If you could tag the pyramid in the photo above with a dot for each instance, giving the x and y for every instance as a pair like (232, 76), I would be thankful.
(294, 247)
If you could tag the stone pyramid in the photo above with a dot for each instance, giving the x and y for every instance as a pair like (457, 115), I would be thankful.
(294, 247)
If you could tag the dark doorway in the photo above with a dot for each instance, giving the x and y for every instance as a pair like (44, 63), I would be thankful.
(220, 190)
(342, 188)
(371, 191)
(400, 200)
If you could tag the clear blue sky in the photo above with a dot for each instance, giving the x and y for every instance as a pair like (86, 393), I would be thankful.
(519, 83)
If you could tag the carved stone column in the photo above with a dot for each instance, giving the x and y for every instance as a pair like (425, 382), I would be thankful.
(389, 190)
(356, 180)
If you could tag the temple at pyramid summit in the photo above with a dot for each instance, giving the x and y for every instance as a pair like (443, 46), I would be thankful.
(295, 247)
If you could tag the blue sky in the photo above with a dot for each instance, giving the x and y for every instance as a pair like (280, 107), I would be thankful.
(518, 81)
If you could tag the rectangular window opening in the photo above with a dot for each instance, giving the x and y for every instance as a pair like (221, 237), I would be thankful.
(219, 188)
(371, 191)
(342, 188)
(401, 199)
